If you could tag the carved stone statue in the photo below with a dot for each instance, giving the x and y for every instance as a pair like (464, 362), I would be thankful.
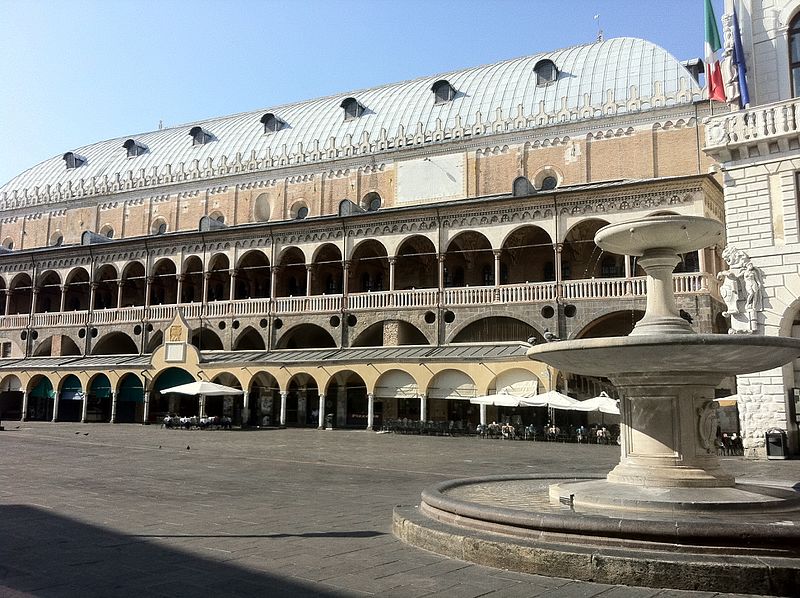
(742, 289)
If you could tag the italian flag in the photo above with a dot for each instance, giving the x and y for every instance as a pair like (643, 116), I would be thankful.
(716, 89)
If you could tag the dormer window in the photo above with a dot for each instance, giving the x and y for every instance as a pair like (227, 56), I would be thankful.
(200, 136)
(73, 160)
(134, 148)
(352, 108)
(546, 72)
(272, 123)
(443, 92)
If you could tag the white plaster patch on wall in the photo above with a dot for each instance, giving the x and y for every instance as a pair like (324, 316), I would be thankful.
(432, 178)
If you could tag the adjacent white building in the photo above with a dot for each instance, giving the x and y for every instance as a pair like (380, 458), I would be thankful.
(758, 148)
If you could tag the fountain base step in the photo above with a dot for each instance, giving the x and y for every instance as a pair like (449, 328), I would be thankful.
(510, 522)
(600, 496)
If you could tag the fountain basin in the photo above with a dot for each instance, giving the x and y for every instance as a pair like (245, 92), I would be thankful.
(716, 355)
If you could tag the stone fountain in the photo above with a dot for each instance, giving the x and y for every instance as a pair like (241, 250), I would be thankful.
(667, 515)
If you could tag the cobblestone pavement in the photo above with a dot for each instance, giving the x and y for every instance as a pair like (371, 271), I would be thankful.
(99, 510)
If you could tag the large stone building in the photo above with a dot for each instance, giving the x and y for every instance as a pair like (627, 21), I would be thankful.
(383, 253)
(759, 149)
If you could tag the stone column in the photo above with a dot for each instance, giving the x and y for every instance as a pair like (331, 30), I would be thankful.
(497, 253)
(309, 268)
(246, 408)
(146, 416)
(423, 408)
(441, 258)
(483, 414)
(345, 283)
(392, 262)
(274, 271)
(284, 396)
(202, 406)
(180, 278)
(119, 294)
(84, 407)
(206, 277)
(148, 290)
(113, 419)
(7, 295)
(370, 410)
(63, 303)
(34, 300)
(24, 416)
(321, 414)
(557, 248)
(92, 292)
(55, 406)
(232, 294)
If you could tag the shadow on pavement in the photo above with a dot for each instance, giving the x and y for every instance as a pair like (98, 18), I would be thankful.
(354, 534)
(45, 554)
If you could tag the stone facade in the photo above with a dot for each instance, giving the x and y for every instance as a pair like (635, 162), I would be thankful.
(759, 149)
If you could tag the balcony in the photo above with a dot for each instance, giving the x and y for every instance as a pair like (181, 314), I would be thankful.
(757, 129)
(539, 292)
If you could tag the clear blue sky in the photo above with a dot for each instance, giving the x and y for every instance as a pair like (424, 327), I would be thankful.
(77, 71)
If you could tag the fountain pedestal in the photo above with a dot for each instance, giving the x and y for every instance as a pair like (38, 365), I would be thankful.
(667, 515)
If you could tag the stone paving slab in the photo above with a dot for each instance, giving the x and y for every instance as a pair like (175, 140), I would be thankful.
(133, 510)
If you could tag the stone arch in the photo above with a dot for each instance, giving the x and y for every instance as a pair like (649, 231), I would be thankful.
(615, 323)
(228, 405)
(70, 399)
(401, 332)
(252, 275)
(134, 284)
(582, 258)
(265, 400)
(527, 255)
(115, 343)
(206, 339)
(11, 396)
(292, 279)
(106, 287)
(469, 260)
(249, 339)
(48, 296)
(302, 394)
(162, 403)
(399, 393)
(495, 329)
(41, 395)
(416, 264)
(98, 398)
(369, 267)
(130, 400)
(219, 278)
(77, 290)
(21, 294)
(164, 286)
(306, 336)
(347, 390)
(154, 342)
(327, 273)
(192, 270)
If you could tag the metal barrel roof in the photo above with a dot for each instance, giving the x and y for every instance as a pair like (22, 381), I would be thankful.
(606, 77)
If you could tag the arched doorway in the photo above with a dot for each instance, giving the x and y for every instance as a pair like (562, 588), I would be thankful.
(130, 400)
(302, 399)
(98, 399)
(40, 399)
(163, 404)
(70, 399)
(349, 392)
(252, 276)
(448, 394)
(264, 400)
(416, 265)
(10, 397)
(369, 268)
(399, 394)
(469, 261)
(226, 405)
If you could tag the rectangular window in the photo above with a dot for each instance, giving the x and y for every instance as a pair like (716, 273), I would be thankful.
(6, 350)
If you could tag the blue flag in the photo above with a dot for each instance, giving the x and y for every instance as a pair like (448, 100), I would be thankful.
(739, 63)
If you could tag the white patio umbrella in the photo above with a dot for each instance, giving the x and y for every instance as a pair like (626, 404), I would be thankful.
(498, 400)
(602, 403)
(204, 389)
(551, 398)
